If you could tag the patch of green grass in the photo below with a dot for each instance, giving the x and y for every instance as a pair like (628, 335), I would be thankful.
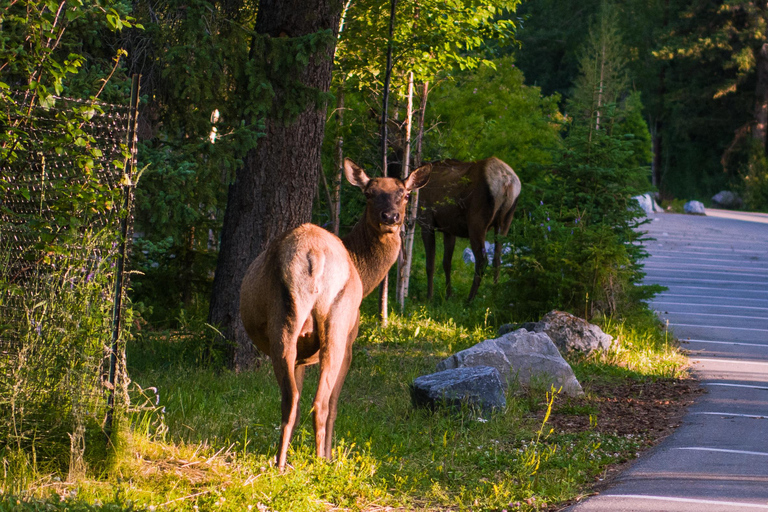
(644, 350)
(673, 205)
(206, 437)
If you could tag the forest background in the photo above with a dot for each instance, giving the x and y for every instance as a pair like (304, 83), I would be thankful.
(591, 102)
(692, 73)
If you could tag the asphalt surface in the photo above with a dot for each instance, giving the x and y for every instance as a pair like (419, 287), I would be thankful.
(716, 269)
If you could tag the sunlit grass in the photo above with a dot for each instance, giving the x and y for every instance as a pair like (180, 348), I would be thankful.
(204, 437)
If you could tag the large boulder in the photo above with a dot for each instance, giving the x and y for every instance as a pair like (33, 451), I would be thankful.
(573, 334)
(726, 199)
(479, 388)
(523, 359)
(694, 208)
(568, 332)
(648, 204)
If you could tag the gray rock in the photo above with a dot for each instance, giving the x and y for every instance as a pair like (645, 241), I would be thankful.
(727, 199)
(648, 204)
(571, 333)
(694, 208)
(469, 257)
(522, 358)
(480, 388)
(528, 326)
(504, 329)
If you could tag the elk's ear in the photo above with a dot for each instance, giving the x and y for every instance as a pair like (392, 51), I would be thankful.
(418, 178)
(355, 174)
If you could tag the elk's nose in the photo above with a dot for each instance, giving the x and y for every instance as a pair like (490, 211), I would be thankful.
(390, 217)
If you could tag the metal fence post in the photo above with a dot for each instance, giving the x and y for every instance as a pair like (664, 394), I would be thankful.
(120, 266)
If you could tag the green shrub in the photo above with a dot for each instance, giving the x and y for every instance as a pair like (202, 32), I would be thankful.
(755, 175)
(575, 238)
(53, 399)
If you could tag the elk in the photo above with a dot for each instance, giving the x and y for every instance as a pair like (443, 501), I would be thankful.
(300, 298)
(466, 199)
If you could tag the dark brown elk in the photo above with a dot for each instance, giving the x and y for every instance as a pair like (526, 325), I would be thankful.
(300, 298)
(467, 199)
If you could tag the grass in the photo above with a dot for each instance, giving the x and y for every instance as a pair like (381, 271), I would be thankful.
(204, 438)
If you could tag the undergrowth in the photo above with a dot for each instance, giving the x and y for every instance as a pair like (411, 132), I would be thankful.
(204, 438)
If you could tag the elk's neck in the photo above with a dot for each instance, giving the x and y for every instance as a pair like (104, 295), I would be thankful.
(373, 253)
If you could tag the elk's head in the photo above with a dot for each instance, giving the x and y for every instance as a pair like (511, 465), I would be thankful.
(387, 197)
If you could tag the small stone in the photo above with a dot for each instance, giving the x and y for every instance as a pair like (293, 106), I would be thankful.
(726, 199)
(694, 208)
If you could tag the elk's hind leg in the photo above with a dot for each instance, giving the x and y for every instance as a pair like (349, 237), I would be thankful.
(477, 243)
(496, 256)
(290, 379)
(334, 401)
(338, 331)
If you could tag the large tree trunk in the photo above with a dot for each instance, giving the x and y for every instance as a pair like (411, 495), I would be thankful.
(273, 190)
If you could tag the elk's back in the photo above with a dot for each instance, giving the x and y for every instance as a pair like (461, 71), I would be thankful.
(296, 280)
(487, 188)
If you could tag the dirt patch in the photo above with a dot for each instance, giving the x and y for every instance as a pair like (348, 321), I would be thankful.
(651, 409)
(648, 410)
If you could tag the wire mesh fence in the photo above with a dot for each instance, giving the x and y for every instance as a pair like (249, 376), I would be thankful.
(65, 188)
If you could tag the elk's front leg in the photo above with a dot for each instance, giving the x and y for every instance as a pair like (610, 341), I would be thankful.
(449, 243)
(428, 237)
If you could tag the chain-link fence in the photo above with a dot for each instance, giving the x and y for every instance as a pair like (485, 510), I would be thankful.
(66, 171)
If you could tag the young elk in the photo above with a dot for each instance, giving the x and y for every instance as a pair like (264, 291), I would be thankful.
(300, 299)
(466, 199)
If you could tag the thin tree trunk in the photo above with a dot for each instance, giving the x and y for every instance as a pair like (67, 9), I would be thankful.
(336, 207)
(273, 190)
(403, 262)
(761, 97)
(657, 139)
(600, 87)
(658, 133)
(384, 288)
(414, 210)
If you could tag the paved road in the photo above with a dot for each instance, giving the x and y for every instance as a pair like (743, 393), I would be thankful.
(716, 268)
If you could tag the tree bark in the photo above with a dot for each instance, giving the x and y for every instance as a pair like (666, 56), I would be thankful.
(414, 211)
(403, 263)
(273, 190)
(384, 288)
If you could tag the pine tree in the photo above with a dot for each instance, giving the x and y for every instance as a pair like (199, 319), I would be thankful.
(602, 69)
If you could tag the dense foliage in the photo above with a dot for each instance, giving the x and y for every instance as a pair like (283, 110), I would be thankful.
(699, 67)
(595, 94)
(61, 180)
